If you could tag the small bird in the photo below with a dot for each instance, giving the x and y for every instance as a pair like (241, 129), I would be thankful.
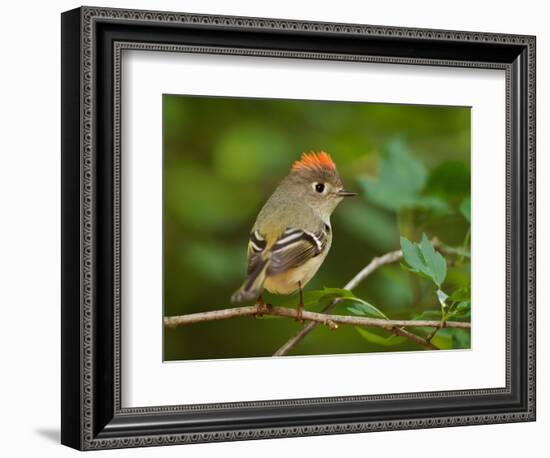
(292, 233)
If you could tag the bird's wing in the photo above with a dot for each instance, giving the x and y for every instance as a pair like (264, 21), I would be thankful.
(257, 245)
(294, 248)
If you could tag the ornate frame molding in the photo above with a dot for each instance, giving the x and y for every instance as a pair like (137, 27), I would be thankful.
(85, 21)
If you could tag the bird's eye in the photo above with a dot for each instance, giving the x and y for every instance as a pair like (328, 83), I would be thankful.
(319, 187)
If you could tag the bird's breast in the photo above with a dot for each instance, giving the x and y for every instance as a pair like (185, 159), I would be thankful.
(288, 282)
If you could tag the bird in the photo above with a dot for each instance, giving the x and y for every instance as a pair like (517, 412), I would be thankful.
(292, 234)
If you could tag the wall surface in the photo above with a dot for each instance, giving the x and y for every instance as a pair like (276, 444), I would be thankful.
(30, 240)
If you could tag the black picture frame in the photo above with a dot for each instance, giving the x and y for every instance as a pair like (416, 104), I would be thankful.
(92, 40)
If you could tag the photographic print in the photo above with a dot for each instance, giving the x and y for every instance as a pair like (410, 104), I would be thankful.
(304, 227)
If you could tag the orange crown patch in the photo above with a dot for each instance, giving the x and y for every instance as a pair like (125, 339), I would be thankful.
(320, 160)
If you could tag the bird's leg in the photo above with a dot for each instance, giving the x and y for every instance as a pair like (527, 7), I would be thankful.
(260, 307)
(300, 306)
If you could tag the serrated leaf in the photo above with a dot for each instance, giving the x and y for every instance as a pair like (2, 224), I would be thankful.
(418, 272)
(411, 254)
(380, 340)
(424, 260)
(465, 208)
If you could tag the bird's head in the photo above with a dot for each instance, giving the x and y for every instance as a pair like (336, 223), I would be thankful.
(316, 180)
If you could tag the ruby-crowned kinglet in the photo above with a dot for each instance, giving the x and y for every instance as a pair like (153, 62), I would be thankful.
(292, 233)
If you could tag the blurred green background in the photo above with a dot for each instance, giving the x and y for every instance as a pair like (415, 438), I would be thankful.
(223, 157)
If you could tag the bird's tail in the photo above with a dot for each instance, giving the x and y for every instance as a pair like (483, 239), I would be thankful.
(253, 286)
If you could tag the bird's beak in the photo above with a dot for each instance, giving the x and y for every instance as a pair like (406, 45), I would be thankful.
(345, 193)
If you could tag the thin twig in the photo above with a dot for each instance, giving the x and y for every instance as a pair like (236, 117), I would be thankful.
(461, 252)
(323, 318)
(388, 258)
(431, 335)
(414, 338)
(376, 263)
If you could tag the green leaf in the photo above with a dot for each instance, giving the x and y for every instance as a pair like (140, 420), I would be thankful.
(463, 310)
(418, 272)
(317, 299)
(435, 262)
(463, 306)
(363, 308)
(400, 178)
(461, 294)
(412, 254)
(356, 311)
(423, 259)
(380, 340)
(324, 296)
(429, 315)
(465, 208)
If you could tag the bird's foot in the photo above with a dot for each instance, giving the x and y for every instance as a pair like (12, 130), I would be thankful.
(261, 308)
(300, 313)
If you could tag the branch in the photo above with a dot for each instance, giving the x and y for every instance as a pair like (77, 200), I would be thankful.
(388, 258)
(330, 320)
(425, 342)
(394, 326)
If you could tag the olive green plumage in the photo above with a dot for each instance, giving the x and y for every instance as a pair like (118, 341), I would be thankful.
(292, 233)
